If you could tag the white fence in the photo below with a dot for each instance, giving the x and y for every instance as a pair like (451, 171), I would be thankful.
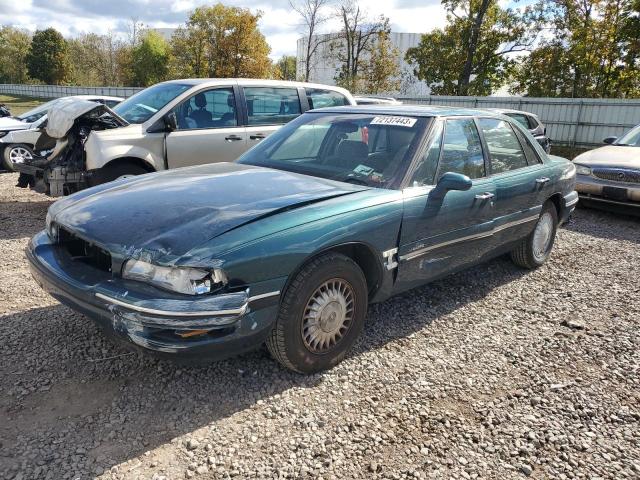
(581, 122)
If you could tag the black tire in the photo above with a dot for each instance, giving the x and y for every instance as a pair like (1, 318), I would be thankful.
(112, 172)
(287, 342)
(524, 255)
(7, 152)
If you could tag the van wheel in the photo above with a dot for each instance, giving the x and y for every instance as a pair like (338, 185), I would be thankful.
(115, 171)
(15, 154)
(321, 314)
(534, 250)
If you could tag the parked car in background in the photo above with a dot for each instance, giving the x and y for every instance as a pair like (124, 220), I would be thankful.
(182, 123)
(610, 175)
(373, 100)
(20, 134)
(531, 122)
(340, 208)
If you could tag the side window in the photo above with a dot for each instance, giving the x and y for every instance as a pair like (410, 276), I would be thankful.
(533, 122)
(320, 98)
(521, 119)
(532, 156)
(504, 148)
(271, 106)
(462, 150)
(215, 108)
(426, 169)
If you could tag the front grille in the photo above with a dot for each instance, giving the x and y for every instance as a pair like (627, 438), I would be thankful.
(82, 251)
(624, 175)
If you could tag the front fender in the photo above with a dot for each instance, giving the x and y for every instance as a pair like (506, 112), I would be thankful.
(101, 150)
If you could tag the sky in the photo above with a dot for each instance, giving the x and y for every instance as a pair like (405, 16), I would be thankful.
(279, 24)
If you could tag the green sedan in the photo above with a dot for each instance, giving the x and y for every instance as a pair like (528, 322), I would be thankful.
(341, 208)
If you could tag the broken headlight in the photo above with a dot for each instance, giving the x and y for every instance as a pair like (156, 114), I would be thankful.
(191, 281)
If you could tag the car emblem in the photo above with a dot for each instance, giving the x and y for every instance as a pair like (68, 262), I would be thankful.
(620, 175)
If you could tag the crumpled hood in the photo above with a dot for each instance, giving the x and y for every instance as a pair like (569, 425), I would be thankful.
(165, 215)
(611, 156)
(9, 123)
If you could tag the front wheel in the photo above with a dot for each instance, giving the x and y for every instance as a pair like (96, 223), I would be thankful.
(321, 314)
(16, 154)
(534, 250)
(116, 171)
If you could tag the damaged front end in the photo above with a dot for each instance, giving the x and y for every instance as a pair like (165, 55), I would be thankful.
(58, 165)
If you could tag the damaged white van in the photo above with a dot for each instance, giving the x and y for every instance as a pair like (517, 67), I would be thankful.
(169, 125)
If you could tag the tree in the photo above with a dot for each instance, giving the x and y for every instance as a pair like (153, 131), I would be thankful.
(221, 41)
(14, 48)
(94, 59)
(591, 52)
(285, 68)
(48, 58)
(355, 41)
(470, 56)
(312, 16)
(150, 59)
(382, 73)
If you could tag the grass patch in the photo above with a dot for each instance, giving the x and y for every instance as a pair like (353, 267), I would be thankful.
(18, 104)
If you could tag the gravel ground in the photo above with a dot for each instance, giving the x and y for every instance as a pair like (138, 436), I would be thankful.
(492, 373)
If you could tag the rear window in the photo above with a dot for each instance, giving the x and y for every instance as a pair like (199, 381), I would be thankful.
(271, 106)
(320, 98)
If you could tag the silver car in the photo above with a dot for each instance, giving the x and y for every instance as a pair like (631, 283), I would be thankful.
(19, 135)
(610, 175)
(189, 122)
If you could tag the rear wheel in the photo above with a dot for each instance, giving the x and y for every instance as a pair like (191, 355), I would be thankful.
(16, 154)
(534, 250)
(116, 171)
(321, 314)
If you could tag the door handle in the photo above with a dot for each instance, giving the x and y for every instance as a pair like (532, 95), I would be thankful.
(257, 136)
(542, 180)
(233, 138)
(484, 196)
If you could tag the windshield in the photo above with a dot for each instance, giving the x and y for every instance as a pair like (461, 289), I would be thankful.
(365, 149)
(631, 138)
(37, 113)
(140, 107)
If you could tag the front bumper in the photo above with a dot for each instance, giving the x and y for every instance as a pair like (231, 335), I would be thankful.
(605, 192)
(211, 326)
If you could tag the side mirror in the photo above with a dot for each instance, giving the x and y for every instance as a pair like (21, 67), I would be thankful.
(609, 140)
(453, 181)
(170, 121)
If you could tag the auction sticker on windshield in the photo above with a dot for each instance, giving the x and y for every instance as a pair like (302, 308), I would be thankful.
(396, 121)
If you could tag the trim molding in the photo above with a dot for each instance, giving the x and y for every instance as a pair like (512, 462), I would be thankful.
(264, 295)
(477, 236)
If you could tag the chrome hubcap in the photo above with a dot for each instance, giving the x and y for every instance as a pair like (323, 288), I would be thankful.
(328, 315)
(542, 236)
(19, 155)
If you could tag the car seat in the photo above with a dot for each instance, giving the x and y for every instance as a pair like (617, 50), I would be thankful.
(201, 116)
(229, 118)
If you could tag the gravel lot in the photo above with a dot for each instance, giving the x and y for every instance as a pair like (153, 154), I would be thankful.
(492, 373)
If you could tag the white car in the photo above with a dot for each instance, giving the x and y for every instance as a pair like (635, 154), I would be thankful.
(19, 134)
(169, 125)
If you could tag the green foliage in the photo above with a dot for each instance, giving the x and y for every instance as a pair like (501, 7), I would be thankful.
(220, 41)
(470, 56)
(594, 51)
(48, 58)
(382, 73)
(94, 59)
(14, 48)
(285, 68)
(150, 59)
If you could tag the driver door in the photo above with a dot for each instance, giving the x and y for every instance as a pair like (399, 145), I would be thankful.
(444, 231)
(207, 130)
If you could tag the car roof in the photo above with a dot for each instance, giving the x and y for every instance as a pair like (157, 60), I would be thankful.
(256, 81)
(104, 97)
(413, 110)
(511, 110)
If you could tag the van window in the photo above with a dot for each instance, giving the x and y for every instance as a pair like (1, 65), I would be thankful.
(215, 108)
(271, 106)
(320, 98)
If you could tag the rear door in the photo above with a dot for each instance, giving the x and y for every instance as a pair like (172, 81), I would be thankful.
(519, 179)
(268, 108)
(209, 129)
(443, 232)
